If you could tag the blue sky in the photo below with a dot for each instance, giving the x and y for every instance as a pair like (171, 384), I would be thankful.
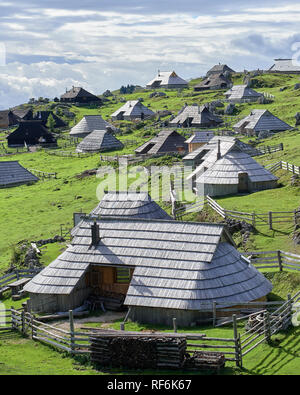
(103, 44)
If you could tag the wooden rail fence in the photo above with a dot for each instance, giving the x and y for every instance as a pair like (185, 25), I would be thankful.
(263, 219)
(270, 319)
(43, 174)
(284, 166)
(15, 275)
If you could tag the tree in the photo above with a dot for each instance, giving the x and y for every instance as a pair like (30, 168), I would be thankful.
(51, 123)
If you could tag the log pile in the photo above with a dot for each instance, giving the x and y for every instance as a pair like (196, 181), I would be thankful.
(201, 360)
(143, 352)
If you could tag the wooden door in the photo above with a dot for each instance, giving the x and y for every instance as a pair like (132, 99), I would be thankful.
(243, 182)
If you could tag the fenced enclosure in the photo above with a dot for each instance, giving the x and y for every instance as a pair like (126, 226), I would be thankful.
(192, 351)
(270, 219)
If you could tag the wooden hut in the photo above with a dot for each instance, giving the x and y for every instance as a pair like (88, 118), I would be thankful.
(196, 116)
(88, 124)
(242, 94)
(219, 69)
(167, 80)
(30, 133)
(78, 95)
(198, 139)
(285, 66)
(7, 119)
(99, 141)
(167, 141)
(260, 121)
(231, 173)
(132, 109)
(213, 82)
(161, 274)
(13, 174)
(210, 150)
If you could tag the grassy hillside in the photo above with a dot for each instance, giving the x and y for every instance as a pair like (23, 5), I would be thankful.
(37, 211)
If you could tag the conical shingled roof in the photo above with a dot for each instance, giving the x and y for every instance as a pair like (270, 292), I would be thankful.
(129, 204)
(99, 141)
(88, 124)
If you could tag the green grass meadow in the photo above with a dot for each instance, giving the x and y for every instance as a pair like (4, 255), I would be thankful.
(35, 212)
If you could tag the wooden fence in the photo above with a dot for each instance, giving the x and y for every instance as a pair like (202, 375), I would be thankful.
(275, 259)
(270, 149)
(43, 174)
(65, 340)
(284, 166)
(233, 348)
(262, 219)
(15, 275)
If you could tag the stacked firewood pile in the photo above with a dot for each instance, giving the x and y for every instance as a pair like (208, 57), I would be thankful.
(141, 352)
(204, 361)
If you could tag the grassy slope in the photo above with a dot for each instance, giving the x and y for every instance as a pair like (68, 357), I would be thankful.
(37, 211)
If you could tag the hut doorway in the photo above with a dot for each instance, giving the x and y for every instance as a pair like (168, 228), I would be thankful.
(243, 185)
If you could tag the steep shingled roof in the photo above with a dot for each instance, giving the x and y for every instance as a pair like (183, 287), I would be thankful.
(262, 120)
(165, 79)
(129, 204)
(88, 124)
(13, 174)
(177, 264)
(99, 141)
(198, 116)
(133, 109)
(242, 92)
(165, 141)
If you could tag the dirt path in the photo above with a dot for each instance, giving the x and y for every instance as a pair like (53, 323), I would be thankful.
(104, 320)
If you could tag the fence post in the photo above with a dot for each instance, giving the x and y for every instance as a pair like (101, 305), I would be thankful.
(71, 319)
(253, 219)
(12, 318)
(23, 321)
(122, 326)
(270, 220)
(174, 325)
(267, 329)
(279, 260)
(236, 341)
(290, 306)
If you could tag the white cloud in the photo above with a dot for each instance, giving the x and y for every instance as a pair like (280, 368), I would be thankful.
(111, 48)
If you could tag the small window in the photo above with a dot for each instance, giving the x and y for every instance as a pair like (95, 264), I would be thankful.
(123, 275)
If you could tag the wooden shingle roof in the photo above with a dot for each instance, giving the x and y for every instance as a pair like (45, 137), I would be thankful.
(165, 141)
(177, 264)
(226, 170)
(99, 141)
(262, 120)
(129, 204)
(13, 174)
(88, 124)
(196, 116)
(133, 109)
